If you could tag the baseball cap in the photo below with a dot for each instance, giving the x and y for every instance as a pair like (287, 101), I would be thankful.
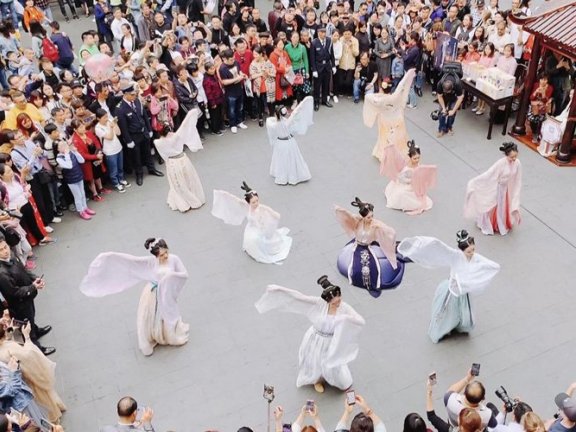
(567, 404)
(479, 2)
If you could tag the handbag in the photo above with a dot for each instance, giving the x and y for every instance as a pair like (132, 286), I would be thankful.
(10, 235)
(45, 176)
(284, 83)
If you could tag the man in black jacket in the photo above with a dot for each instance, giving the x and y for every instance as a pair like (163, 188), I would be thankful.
(136, 132)
(323, 67)
(19, 288)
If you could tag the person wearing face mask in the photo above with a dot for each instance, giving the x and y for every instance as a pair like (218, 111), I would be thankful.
(330, 342)
(470, 273)
(158, 319)
(493, 197)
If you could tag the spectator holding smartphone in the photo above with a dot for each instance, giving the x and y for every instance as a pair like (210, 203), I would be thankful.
(365, 421)
(128, 420)
(468, 393)
(311, 410)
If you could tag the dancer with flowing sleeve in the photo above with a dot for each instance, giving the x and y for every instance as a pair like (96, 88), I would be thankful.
(330, 343)
(388, 110)
(263, 240)
(186, 190)
(493, 197)
(470, 273)
(158, 320)
(288, 166)
(408, 187)
(369, 260)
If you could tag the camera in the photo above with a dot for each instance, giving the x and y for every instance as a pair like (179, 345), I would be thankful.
(435, 115)
(509, 403)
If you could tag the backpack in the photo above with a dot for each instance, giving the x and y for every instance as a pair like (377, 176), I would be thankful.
(49, 50)
(397, 67)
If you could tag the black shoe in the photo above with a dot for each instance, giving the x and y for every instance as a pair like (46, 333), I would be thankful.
(160, 160)
(418, 91)
(139, 179)
(328, 104)
(155, 172)
(67, 18)
(75, 17)
(47, 350)
(316, 107)
(59, 213)
(43, 331)
(261, 123)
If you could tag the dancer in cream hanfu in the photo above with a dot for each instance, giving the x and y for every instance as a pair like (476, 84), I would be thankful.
(408, 187)
(185, 187)
(470, 273)
(369, 260)
(330, 343)
(388, 110)
(263, 240)
(493, 198)
(288, 166)
(159, 321)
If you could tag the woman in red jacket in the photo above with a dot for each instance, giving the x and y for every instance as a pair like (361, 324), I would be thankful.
(89, 147)
(281, 61)
(540, 105)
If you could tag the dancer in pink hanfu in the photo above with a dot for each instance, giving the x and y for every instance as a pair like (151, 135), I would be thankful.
(388, 109)
(493, 198)
(407, 190)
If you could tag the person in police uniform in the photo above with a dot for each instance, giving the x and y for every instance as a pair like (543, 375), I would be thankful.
(323, 67)
(136, 132)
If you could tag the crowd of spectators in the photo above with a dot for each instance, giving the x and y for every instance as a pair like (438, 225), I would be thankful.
(466, 411)
(67, 139)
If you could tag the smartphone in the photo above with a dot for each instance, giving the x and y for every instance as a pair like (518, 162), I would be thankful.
(19, 323)
(432, 378)
(15, 413)
(268, 392)
(475, 370)
(175, 10)
(309, 405)
(46, 425)
(350, 397)
(286, 427)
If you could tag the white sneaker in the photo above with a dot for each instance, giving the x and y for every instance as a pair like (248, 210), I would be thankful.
(335, 99)
(49, 229)
(56, 219)
(234, 129)
(411, 106)
(125, 183)
(120, 188)
(242, 126)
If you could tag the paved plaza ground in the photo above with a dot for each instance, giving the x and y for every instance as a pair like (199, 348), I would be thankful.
(525, 333)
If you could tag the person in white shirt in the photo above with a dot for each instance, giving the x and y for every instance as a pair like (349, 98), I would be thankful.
(501, 37)
(367, 420)
(108, 131)
(116, 27)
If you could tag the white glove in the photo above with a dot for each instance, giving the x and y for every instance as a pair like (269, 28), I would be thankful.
(333, 71)
(315, 74)
(131, 145)
(150, 134)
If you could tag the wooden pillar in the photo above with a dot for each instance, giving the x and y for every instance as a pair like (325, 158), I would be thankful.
(565, 149)
(520, 124)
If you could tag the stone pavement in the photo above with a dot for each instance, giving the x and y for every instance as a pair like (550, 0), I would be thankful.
(525, 329)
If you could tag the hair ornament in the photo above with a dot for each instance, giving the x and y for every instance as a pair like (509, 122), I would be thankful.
(508, 147)
(154, 243)
(329, 291)
(462, 236)
(362, 205)
(247, 189)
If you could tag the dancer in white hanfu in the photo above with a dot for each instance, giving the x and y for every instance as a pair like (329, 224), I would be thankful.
(408, 187)
(288, 166)
(159, 321)
(331, 341)
(493, 197)
(470, 273)
(263, 240)
(185, 187)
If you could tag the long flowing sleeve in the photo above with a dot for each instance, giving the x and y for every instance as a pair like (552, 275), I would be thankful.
(229, 208)
(302, 117)
(170, 287)
(283, 299)
(347, 220)
(515, 187)
(113, 272)
(482, 191)
(186, 135)
(386, 238)
(423, 179)
(269, 220)
(428, 251)
(344, 345)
